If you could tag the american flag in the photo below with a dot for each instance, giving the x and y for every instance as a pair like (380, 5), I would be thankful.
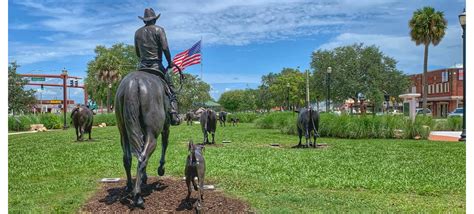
(188, 57)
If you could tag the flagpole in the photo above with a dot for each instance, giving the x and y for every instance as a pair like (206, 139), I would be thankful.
(201, 58)
(201, 70)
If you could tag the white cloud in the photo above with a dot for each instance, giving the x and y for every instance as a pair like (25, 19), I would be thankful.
(78, 26)
(409, 56)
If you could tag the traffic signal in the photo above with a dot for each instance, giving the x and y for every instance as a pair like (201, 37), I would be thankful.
(71, 82)
(42, 87)
(76, 83)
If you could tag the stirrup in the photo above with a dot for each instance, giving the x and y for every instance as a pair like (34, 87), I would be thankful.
(172, 121)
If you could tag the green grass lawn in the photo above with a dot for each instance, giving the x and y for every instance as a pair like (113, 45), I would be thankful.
(49, 172)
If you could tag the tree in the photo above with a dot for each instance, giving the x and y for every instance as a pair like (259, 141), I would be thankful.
(193, 92)
(107, 67)
(19, 99)
(274, 90)
(239, 100)
(427, 26)
(297, 90)
(265, 99)
(356, 68)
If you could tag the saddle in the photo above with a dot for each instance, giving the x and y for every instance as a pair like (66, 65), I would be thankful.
(162, 78)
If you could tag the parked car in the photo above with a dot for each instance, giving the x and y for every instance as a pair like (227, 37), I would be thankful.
(419, 111)
(458, 112)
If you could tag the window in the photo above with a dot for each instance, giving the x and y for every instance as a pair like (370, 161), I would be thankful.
(429, 89)
(461, 74)
(444, 76)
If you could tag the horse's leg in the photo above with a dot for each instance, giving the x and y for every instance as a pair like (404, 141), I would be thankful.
(127, 161)
(148, 149)
(164, 145)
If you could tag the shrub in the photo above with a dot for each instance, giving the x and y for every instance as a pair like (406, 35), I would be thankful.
(21, 122)
(108, 119)
(455, 123)
(51, 121)
(244, 117)
(277, 120)
(353, 126)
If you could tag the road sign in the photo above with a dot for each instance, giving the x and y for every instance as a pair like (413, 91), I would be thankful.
(37, 79)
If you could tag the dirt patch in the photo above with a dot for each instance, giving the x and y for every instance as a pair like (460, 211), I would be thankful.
(161, 195)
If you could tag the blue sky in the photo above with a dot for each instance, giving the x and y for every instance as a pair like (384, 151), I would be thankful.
(242, 40)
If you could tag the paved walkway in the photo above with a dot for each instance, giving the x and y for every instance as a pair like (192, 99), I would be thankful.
(14, 133)
(445, 136)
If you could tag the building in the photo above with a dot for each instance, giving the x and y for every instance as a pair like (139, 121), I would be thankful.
(445, 90)
(53, 106)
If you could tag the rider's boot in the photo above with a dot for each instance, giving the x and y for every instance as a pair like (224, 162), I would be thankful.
(173, 102)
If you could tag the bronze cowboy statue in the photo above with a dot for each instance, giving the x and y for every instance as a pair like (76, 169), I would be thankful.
(150, 45)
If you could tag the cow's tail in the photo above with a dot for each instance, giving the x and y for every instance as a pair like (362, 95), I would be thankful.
(131, 117)
(315, 123)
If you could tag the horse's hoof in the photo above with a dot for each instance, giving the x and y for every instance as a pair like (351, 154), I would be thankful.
(128, 188)
(138, 202)
(161, 171)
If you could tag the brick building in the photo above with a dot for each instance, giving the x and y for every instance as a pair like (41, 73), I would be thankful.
(445, 90)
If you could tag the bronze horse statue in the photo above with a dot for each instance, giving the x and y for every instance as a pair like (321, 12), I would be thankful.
(141, 106)
(82, 119)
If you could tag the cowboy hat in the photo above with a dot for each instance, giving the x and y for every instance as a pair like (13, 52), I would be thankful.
(149, 15)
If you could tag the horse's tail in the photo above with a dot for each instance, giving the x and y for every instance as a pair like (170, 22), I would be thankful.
(131, 114)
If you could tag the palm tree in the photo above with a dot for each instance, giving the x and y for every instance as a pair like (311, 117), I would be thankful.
(108, 67)
(427, 26)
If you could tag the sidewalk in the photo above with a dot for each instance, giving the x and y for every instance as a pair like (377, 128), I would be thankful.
(445, 136)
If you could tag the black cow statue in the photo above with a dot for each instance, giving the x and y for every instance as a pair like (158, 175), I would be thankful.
(189, 118)
(208, 123)
(234, 120)
(82, 118)
(308, 122)
(222, 117)
(195, 170)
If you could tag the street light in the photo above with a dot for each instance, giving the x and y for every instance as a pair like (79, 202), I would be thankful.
(64, 74)
(462, 21)
(328, 99)
(288, 96)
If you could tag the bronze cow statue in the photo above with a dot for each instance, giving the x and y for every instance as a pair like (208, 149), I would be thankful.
(82, 119)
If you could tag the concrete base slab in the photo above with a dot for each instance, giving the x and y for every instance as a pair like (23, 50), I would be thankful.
(451, 136)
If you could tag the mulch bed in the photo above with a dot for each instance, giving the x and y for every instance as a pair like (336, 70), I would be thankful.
(161, 195)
